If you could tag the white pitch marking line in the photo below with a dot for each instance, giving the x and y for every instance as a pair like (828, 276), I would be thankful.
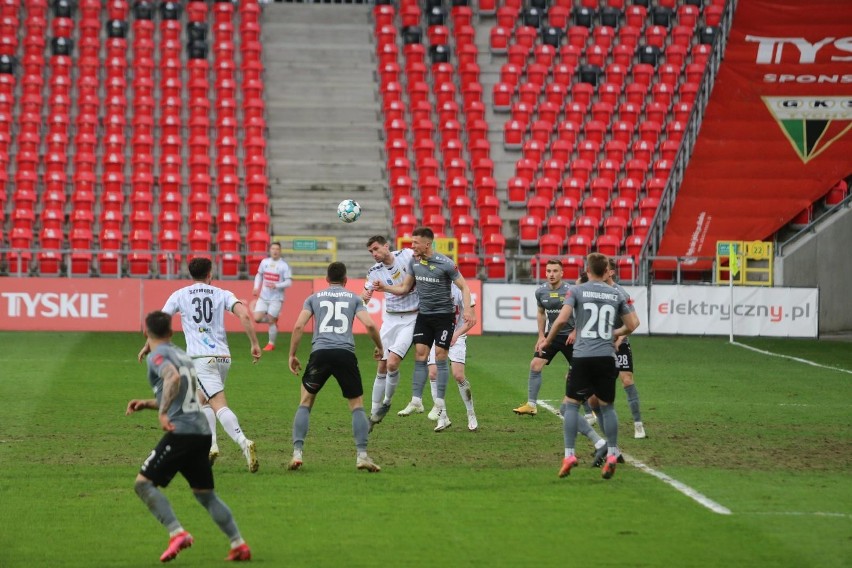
(798, 514)
(701, 499)
(797, 359)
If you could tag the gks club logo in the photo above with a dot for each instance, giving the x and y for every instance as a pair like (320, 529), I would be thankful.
(811, 124)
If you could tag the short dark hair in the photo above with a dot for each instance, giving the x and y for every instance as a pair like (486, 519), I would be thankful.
(275, 244)
(584, 277)
(597, 263)
(423, 232)
(376, 239)
(336, 272)
(200, 268)
(158, 324)
(611, 263)
(554, 261)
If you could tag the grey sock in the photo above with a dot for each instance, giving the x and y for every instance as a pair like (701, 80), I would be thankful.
(220, 513)
(300, 426)
(585, 429)
(570, 415)
(610, 426)
(360, 428)
(421, 373)
(599, 416)
(534, 386)
(157, 504)
(633, 402)
(443, 367)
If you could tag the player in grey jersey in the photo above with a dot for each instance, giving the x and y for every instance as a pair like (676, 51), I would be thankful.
(594, 305)
(397, 323)
(185, 445)
(433, 273)
(624, 362)
(332, 353)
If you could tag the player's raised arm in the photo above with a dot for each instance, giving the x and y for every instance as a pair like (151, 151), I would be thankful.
(295, 338)
(242, 312)
(399, 289)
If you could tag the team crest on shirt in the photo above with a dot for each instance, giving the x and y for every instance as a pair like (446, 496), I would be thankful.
(158, 359)
(390, 281)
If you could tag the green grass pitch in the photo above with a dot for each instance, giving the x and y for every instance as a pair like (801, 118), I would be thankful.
(768, 438)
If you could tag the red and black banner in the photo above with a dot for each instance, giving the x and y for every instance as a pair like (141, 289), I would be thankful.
(776, 133)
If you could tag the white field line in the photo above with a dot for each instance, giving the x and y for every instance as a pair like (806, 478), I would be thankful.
(797, 359)
(798, 514)
(701, 499)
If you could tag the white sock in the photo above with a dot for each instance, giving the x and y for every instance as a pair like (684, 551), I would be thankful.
(211, 420)
(569, 452)
(466, 395)
(433, 386)
(273, 333)
(390, 386)
(231, 425)
(378, 392)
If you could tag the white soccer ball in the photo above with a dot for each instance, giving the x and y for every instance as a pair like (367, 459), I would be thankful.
(348, 211)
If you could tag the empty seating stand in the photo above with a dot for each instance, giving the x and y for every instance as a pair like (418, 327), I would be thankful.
(596, 97)
(103, 170)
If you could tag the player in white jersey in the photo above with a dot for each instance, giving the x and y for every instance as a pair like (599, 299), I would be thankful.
(202, 309)
(273, 277)
(397, 322)
(457, 356)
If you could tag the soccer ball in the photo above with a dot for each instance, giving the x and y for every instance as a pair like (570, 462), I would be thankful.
(348, 211)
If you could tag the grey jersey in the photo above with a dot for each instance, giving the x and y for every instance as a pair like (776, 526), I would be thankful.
(184, 412)
(595, 305)
(550, 300)
(618, 320)
(334, 310)
(434, 276)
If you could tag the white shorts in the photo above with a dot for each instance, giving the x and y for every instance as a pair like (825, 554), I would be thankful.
(457, 354)
(397, 333)
(212, 373)
(271, 307)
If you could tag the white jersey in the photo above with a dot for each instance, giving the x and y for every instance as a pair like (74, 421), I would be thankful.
(458, 306)
(202, 313)
(276, 272)
(394, 275)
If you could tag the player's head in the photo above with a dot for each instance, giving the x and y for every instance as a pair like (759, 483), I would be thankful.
(158, 325)
(201, 269)
(336, 273)
(421, 240)
(597, 265)
(378, 247)
(275, 250)
(553, 270)
(583, 278)
(611, 269)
